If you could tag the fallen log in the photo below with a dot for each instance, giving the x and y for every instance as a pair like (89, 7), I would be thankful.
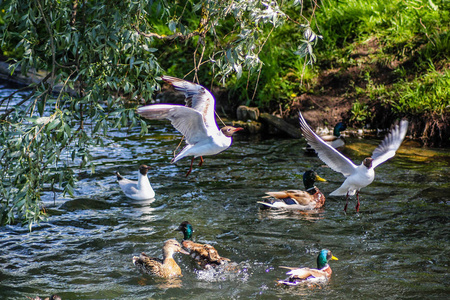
(281, 125)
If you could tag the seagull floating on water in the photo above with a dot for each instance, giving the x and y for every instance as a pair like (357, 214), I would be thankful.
(357, 176)
(196, 121)
(137, 190)
(308, 275)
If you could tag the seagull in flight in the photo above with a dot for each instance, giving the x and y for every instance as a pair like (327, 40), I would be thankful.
(196, 121)
(357, 176)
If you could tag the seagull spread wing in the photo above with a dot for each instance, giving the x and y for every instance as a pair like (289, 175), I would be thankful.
(186, 120)
(333, 158)
(390, 144)
(197, 97)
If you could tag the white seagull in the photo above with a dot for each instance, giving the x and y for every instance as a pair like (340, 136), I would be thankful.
(196, 121)
(357, 176)
(137, 190)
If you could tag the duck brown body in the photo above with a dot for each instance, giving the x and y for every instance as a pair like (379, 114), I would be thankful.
(205, 254)
(166, 267)
(309, 275)
(310, 198)
(312, 201)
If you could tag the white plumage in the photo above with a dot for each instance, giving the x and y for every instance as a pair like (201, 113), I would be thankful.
(138, 190)
(196, 121)
(357, 176)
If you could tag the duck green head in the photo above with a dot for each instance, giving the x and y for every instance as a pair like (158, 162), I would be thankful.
(187, 230)
(338, 128)
(309, 177)
(323, 258)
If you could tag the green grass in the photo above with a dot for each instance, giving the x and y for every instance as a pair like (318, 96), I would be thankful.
(411, 40)
(425, 94)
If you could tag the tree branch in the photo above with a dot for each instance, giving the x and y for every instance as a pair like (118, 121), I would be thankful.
(74, 12)
(9, 111)
(167, 37)
(52, 45)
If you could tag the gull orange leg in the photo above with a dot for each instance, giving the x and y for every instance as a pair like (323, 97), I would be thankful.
(201, 161)
(357, 204)
(346, 203)
(190, 169)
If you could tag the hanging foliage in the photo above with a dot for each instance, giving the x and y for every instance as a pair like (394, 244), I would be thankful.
(101, 59)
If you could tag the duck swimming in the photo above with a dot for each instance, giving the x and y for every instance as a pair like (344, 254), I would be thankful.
(205, 254)
(308, 275)
(357, 176)
(166, 267)
(336, 140)
(311, 198)
(137, 190)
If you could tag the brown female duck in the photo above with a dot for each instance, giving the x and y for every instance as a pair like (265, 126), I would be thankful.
(166, 267)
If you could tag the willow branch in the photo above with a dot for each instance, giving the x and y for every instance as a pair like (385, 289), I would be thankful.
(52, 45)
(74, 12)
(167, 37)
(9, 111)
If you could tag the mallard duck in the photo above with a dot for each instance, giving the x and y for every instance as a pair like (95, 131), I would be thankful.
(138, 190)
(166, 267)
(308, 275)
(336, 140)
(357, 176)
(196, 121)
(205, 254)
(311, 198)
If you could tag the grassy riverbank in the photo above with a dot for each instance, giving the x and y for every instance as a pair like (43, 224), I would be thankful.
(389, 59)
(376, 61)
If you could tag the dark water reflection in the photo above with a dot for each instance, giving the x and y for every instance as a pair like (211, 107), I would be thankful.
(396, 247)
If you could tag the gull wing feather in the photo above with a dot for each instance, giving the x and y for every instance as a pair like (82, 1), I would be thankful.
(197, 97)
(333, 158)
(129, 188)
(386, 150)
(186, 120)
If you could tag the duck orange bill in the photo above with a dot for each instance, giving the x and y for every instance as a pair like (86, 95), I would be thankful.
(334, 257)
(318, 178)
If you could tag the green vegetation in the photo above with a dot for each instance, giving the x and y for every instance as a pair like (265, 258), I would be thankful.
(105, 58)
(401, 50)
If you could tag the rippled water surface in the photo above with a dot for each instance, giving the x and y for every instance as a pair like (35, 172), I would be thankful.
(396, 247)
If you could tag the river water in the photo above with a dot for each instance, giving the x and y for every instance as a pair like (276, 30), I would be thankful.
(396, 247)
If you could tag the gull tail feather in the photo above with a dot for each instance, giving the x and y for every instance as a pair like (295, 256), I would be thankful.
(342, 191)
(119, 177)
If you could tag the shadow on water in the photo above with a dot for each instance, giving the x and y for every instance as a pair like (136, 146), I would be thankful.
(396, 247)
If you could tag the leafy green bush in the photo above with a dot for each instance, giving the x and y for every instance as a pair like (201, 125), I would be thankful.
(103, 59)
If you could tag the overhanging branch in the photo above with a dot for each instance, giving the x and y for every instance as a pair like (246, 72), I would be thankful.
(167, 37)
